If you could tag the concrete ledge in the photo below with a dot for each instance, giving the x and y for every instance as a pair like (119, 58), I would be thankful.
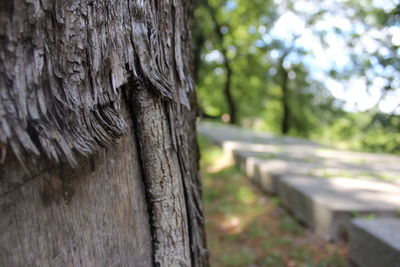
(264, 173)
(301, 156)
(289, 167)
(375, 243)
(328, 205)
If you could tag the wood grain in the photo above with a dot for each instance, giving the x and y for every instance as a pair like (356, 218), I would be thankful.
(94, 216)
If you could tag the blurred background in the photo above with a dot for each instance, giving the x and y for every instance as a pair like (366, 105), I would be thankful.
(328, 71)
(324, 70)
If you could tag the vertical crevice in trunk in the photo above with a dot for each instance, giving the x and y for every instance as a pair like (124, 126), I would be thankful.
(162, 176)
(188, 149)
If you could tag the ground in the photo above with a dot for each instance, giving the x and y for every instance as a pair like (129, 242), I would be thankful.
(247, 228)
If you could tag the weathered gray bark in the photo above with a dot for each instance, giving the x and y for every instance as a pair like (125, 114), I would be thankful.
(95, 215)
(74, 77)
(163, 178)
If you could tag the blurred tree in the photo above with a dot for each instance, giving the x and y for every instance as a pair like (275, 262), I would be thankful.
(219, 32)
(276, 59)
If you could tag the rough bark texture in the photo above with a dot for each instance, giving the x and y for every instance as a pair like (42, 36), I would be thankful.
(163, 179)
(65, 70)
(166, 135)
(94, 216)
(62, 62)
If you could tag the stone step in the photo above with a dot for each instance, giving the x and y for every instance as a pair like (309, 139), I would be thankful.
(307, 177)
(375, 243)
(297, 155)
(267, 172)
(328, 205)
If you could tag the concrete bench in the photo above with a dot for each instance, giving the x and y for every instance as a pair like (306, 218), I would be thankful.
(375, 243)
(328, 205)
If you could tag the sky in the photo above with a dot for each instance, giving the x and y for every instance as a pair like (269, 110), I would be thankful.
(354, 92)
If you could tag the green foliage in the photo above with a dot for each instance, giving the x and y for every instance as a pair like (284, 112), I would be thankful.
(249, 71)
(256, 80)
(365, 131)
(260, 60)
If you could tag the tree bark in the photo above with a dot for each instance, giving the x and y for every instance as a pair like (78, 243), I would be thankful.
(97, 125)
(95, 215)
(163, 178)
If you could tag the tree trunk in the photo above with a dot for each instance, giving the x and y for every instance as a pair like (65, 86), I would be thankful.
(95, 215)
(284, 84)
(97, 133)
(285, 104)
(227, 90)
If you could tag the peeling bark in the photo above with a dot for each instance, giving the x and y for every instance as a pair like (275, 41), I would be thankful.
(62, 63)
(163, 179)
(170, 168)
(65, 70)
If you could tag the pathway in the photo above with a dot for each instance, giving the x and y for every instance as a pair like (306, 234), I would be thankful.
(324, 187)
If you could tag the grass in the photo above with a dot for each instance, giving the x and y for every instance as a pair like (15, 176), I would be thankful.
(246, 228)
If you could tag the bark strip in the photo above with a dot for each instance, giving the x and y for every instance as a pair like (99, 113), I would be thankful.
(163, 179)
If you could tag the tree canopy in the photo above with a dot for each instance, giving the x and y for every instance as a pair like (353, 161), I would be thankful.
(327, 70)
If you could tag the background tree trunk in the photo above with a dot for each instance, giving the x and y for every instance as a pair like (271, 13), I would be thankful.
(284, 84)
(227, 90)
(285, 102)
(75, 76)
